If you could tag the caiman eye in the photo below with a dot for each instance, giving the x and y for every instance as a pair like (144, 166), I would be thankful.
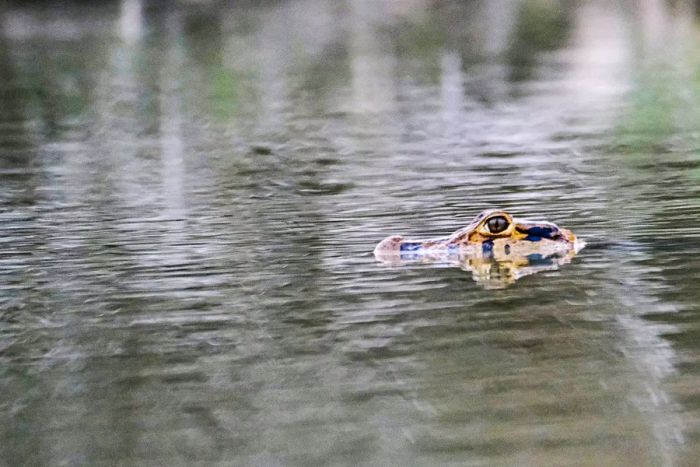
(497, 224)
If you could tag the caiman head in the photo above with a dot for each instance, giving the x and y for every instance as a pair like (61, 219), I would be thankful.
(495, 224)
(493, 234)
(496, 247)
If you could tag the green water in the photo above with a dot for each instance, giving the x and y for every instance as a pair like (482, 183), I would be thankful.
(190, 194)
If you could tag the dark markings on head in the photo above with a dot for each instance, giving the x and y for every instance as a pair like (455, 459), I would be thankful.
(537, 233)
(408, 246)
(507, 249)
(487, 247)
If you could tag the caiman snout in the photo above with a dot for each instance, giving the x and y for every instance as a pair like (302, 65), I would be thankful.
(389, 245)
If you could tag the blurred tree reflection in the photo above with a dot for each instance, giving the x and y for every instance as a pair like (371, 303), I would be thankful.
(661, 109)
(541, 26)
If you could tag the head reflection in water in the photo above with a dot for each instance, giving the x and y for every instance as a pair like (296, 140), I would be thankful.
(497, 248)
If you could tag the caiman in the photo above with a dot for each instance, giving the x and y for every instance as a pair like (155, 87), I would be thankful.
(496, 247)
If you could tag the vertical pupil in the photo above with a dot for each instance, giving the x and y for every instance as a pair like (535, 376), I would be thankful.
(497, 224)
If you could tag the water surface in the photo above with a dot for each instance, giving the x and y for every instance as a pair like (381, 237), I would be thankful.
(190, 195)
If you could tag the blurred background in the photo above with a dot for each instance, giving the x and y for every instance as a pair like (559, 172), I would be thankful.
(190, 192)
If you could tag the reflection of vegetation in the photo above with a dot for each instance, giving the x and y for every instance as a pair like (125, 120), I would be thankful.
(420, 39)
(56, 91)
(322, 74)
(542, 25)
(662, 106)
(227, 89)
(649, 122)
(421, 42)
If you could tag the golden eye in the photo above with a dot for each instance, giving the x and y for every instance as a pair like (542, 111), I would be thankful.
(497, 224)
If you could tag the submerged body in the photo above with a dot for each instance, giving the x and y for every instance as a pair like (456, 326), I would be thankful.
(496, 247)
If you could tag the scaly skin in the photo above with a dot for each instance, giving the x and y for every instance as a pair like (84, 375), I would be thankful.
(494, 244)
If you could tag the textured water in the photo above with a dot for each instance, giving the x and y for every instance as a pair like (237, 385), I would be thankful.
(190, 194)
